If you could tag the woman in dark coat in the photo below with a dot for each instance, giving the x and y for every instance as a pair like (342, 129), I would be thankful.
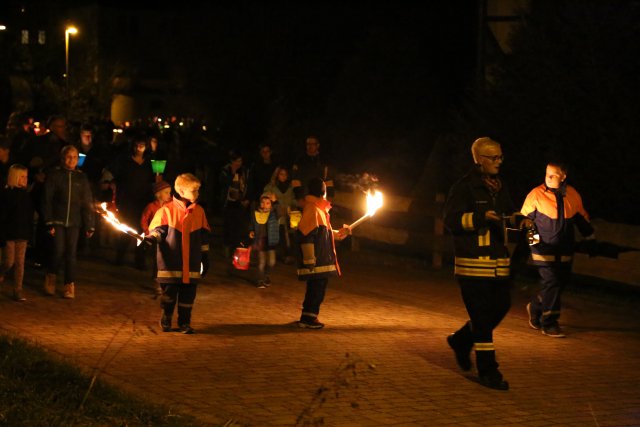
(133, 178)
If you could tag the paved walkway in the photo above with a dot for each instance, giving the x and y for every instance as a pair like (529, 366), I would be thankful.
(382, 359)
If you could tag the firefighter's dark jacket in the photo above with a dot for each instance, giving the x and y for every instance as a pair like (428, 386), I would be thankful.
(67, 199)
(480, 250)
(316, 252)
(182, 232)
(557, 237)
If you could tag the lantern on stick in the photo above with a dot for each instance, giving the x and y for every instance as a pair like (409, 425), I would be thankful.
(158, 166)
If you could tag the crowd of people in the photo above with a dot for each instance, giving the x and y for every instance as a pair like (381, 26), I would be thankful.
(55, 178)
(153, 180)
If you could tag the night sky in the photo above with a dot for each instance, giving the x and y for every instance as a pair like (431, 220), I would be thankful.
(391, 71)
(378, 80)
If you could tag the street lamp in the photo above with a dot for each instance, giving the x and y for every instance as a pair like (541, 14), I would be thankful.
(67, 32)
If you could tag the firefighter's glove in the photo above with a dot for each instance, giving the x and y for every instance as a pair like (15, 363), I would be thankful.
(311, 267)
(205, 263)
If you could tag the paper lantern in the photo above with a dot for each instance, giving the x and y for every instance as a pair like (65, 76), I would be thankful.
(158, 166)
(241, 258)
(294, 218)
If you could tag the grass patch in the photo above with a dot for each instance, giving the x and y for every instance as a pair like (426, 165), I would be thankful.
(38, 389)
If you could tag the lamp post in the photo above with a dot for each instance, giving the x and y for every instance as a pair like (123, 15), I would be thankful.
(67, 32)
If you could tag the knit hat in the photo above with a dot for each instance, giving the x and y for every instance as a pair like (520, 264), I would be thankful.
(316, 187)
(159, 186)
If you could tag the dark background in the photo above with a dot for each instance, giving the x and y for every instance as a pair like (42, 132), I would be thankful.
(390, 88)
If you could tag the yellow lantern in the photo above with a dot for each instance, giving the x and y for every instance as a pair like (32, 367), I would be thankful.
(294, 218)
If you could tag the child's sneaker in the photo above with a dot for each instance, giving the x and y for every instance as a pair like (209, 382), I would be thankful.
(310, 324)
(165, 323)
(534, 321)
(267, 281)
(186, 329)
(261, 284)
(18, 296)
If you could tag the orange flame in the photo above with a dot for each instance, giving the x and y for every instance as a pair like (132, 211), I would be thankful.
(111, 218)
(374, 202)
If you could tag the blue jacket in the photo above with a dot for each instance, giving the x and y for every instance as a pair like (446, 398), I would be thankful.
(556, 226)
(266, 229)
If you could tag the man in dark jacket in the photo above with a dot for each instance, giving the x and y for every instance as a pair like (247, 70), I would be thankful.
(260, 174)
(474, 213)
(310, 165)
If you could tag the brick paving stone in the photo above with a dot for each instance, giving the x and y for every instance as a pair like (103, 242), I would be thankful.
(248, 362)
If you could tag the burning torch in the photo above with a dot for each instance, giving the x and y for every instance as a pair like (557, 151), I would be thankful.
(374, 202)
(124, 228)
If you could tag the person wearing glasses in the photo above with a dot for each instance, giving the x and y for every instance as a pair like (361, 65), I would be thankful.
(475, 213)
(554, 207)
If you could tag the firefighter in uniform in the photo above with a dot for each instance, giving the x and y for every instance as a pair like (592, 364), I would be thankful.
(475, 211)
(554, 207)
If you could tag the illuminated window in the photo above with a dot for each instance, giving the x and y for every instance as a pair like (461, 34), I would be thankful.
(25, 37)
(42, 38)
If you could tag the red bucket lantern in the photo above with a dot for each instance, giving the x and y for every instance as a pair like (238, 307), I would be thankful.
(241, 258)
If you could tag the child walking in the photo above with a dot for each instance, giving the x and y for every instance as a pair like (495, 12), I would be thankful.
(16, 219)
(181, 231)
(280, 186)
(162, 192)
(317, 259)
(266, 236)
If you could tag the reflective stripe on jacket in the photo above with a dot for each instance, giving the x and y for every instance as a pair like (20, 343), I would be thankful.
(556, 229)
(183, 235)
(479, 244)
(315, 241)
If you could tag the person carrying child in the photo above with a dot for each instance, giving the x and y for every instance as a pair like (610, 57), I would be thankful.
(265, 232)
(181, 231)
(162, 192)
